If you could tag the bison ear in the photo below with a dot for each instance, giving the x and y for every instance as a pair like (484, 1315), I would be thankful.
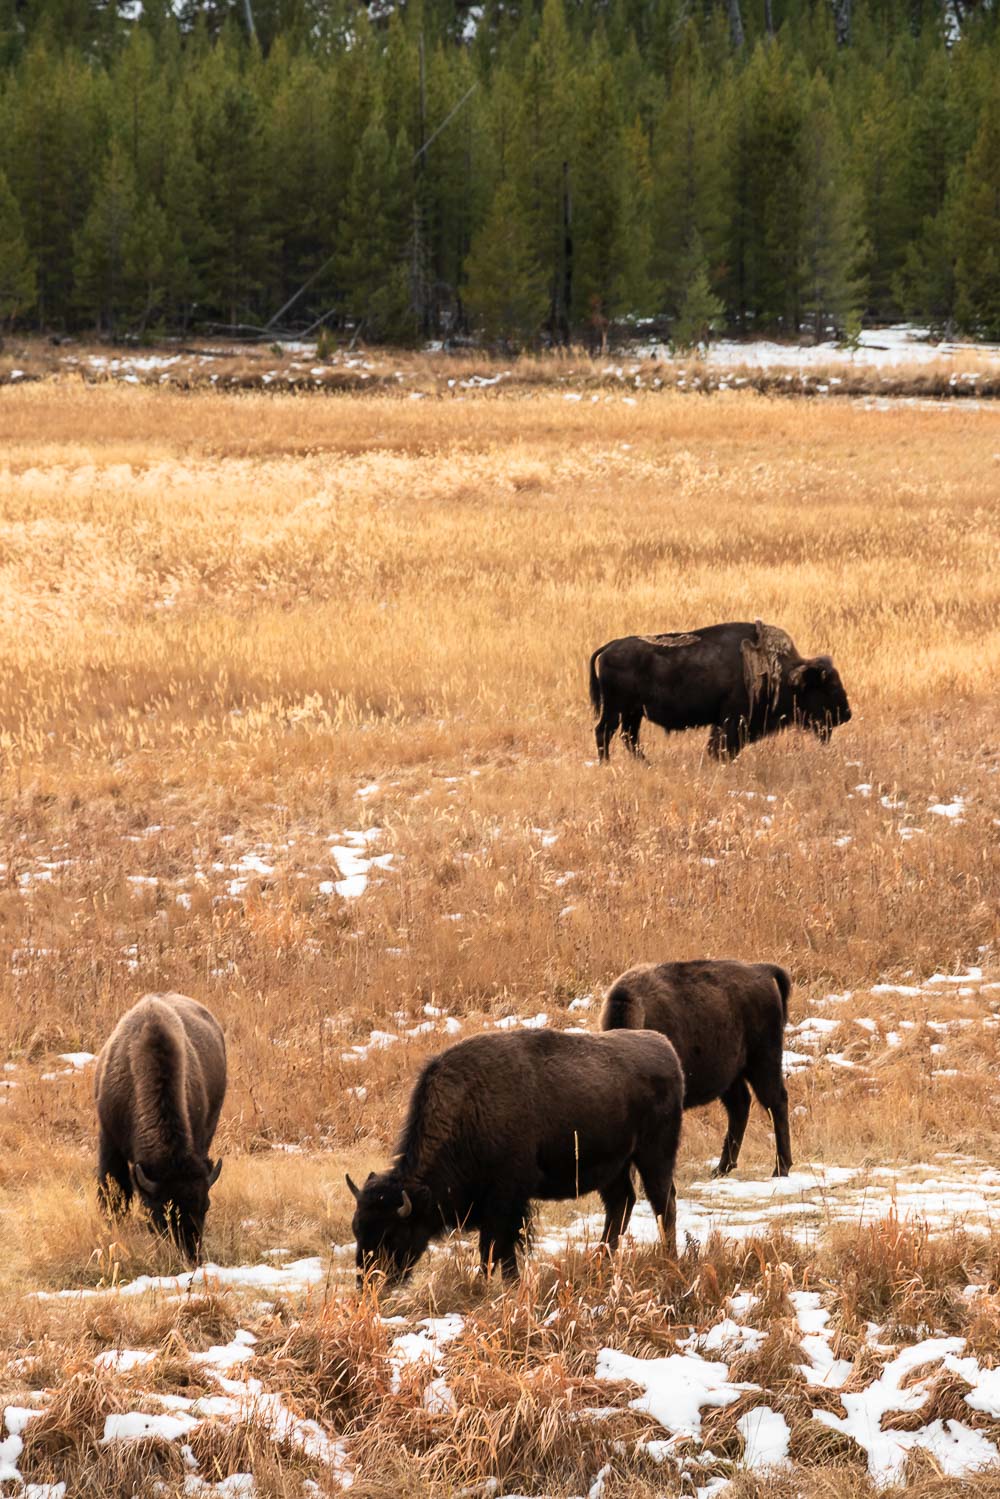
(822, 666)
(355, 1191)
(142, 1180)
(213, 1175)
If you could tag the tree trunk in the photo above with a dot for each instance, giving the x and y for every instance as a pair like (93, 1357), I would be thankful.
(567, 253)
(736, 34)
(768, 18)
(842, 22)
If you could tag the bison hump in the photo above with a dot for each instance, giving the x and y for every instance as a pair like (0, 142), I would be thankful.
(669, 642)
(763, 658)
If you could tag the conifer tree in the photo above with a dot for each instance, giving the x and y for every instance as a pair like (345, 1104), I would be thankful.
(832, 240)
(688, 196)
(699, 307)
(506, 293)
(371, 268)
(975, 227)
(103, 266)
(17, 269)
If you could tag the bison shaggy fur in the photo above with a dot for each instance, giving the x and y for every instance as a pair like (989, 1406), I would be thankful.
(727, 1022)
(499, 1120)
(160, 1082)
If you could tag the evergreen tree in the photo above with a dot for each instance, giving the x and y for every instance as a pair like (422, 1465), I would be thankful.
(699, 307)
(975, 227)
(236, 240)
(832, 243)
(689, 186)
(877, 151)
(541, 160)
(506, 293)
(766, 153)
(371, 267)
(123, 250)
(17, 270)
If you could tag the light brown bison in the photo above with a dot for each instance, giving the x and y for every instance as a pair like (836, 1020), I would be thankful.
(498, 1120)
(727, 1024)
(160, 1082)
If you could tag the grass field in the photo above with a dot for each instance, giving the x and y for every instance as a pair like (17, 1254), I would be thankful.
(294, 719)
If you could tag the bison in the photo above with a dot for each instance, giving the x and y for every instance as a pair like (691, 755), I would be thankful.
(745, 680)
(160, 1082)
(726, 1021)
(498, 1120)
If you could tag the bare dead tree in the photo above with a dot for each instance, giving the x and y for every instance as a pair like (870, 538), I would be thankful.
(736, 32)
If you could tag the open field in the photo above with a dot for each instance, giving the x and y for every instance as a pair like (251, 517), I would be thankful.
(293, 718)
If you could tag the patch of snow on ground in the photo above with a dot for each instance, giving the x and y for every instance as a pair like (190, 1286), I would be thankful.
(956, 1448)
(675, 1388)
(766, 1434)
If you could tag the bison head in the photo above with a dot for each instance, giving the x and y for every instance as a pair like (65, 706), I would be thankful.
(176, 1199)
(819, 697)
(391, 1225)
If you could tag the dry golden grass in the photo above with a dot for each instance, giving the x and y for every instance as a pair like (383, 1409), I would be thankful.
(222, 616)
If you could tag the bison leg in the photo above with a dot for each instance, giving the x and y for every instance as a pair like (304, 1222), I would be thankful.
(114, 1180)
(619, 1200)
(631, 724)
(500, 1237)
(770, 1089)
(606, 729)
(726, 740)
(737, 1103)
(655, 1157)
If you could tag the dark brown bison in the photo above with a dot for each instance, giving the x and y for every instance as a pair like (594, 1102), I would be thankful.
(499, 1120)
(727, 1023)
(745, 680)
(161, 1079)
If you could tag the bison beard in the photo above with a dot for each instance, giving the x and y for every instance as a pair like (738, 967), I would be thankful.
(498, 1121)
(727, 1022)
(744, 681)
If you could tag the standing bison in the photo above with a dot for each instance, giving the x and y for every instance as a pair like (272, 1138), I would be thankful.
(501, 1119)
(745, 680)
(726, 1021)
(160, 1082)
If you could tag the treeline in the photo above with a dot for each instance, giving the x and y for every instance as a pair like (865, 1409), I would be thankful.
(511, 174)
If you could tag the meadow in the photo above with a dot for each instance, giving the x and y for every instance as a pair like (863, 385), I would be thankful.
(294, 719)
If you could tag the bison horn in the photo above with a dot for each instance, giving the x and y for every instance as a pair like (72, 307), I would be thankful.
(214, 1173)
(355, 1191)
(145, 1182)
(406, 1208)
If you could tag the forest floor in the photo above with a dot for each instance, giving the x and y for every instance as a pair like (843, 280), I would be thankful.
(294, 719)
(894, 363)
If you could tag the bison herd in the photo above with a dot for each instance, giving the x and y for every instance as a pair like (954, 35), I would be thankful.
(472, 1155)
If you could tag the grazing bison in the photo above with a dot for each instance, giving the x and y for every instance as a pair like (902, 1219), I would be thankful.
(745, 680)
(161, 1079)
(726, 1021)
(501, 1119)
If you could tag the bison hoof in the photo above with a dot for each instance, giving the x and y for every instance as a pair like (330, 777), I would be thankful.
(721, 1170)
(780, 1171)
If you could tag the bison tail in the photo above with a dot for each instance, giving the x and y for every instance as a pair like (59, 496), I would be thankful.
(783, 983)
(596, 695)
(623, 1010)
